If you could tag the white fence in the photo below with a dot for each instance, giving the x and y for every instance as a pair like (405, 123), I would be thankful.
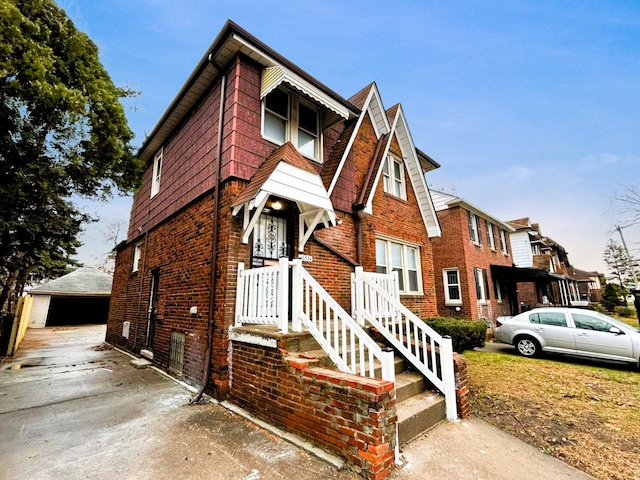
(263, 298)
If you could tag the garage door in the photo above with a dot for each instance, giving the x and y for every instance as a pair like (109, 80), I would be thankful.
(77, 311)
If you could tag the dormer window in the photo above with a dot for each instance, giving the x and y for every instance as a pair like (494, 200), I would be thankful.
(393, 177)
(288, 117)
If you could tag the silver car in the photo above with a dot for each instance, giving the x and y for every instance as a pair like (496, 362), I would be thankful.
(572, 331)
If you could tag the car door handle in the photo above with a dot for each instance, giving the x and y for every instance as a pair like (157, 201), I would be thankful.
(582, 334)
(539, 329)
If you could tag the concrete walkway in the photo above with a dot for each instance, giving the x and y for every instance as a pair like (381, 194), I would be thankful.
(71, 409)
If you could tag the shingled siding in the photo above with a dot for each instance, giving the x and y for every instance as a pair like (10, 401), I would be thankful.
(351, 416)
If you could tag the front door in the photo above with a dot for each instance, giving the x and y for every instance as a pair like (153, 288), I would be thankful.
(271, 240)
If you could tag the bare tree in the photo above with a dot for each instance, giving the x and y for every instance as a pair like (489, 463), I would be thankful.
(627, 199)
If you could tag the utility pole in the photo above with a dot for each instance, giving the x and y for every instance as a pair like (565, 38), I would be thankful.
(636, 291)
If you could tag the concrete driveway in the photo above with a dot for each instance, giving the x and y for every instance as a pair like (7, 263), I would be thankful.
(70, 409)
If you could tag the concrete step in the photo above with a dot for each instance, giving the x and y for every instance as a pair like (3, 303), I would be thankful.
(409, 384)
(418, 414)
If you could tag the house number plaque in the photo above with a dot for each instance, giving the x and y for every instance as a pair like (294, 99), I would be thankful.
(306, 258)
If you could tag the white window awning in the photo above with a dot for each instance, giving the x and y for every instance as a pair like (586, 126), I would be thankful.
(276, 75)
(291, 182)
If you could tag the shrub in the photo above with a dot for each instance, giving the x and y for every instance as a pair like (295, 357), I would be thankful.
(624, 312)
(597, 307)
(465, 334)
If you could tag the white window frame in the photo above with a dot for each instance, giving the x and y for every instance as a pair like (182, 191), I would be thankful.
(391, 181)
(292, 123)
(447, 297)
(491, 239)
(403, 273)
(497, 286)
(137, 256)
(480, 284)
(157, 172)
(474, 228)
(503, 242)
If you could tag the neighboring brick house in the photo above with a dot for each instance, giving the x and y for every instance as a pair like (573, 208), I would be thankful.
(255, 160)
(541, 269)
(472, 243)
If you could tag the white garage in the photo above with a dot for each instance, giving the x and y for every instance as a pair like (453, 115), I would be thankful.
(80, 297)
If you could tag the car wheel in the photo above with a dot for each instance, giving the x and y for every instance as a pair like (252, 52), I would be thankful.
(527, 346)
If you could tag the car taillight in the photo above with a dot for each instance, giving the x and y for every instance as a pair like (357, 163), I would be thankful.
(498, 323)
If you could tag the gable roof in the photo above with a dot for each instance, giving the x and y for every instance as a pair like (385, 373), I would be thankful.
(85, 281)
(232, 40)
(387, 124)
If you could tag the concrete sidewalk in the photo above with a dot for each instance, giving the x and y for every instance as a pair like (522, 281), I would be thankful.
(70, 409)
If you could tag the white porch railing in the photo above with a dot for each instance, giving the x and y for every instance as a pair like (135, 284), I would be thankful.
(427, 350)
(262, 295)
(263, 298)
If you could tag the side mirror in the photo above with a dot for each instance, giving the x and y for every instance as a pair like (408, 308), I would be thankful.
(616, 331)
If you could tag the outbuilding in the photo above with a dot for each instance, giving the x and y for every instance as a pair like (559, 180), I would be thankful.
(79, 297)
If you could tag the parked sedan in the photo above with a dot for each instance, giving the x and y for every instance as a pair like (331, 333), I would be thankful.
(572, 331)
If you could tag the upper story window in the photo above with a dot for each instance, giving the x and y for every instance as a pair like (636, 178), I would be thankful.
(157, 173)
(503, 242)
(393, 256)
(475, 232)
(491, 236)
(393, 177)
(452, 294)
(287, 117)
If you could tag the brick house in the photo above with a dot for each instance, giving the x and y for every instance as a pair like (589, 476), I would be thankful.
(265, 190)
(472, 244)
(541, 269)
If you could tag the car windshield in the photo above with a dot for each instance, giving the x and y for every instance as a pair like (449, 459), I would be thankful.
(616, 322)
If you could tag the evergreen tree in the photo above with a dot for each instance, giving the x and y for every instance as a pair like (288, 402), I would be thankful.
(63, 132)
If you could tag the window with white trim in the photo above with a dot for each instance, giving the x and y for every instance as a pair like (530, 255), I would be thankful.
(392, 256)
(287, 117)
(137, 255)
(491, 236)
(497, 290)
(503, 242)
(475, 232)
(393, 177)
(157, 172)
(482, 284)
(452, 293)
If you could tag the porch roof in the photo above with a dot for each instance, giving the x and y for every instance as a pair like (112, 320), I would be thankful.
(521, 274)
(288, 175)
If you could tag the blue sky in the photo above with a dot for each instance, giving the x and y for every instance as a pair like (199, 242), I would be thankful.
(531, 108)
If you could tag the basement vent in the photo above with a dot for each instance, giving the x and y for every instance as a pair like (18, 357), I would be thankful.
(176, 353)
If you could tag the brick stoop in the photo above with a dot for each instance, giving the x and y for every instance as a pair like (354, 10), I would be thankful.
(420, 406)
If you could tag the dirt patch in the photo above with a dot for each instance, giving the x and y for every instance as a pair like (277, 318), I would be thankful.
(102, 348)
(584, 415)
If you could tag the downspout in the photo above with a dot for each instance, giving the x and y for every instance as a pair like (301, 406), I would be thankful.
(360, 205)
(214, 246)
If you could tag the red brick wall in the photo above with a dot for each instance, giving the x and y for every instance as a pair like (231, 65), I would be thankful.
(351, 416)
(455, 249)
(180, 249)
